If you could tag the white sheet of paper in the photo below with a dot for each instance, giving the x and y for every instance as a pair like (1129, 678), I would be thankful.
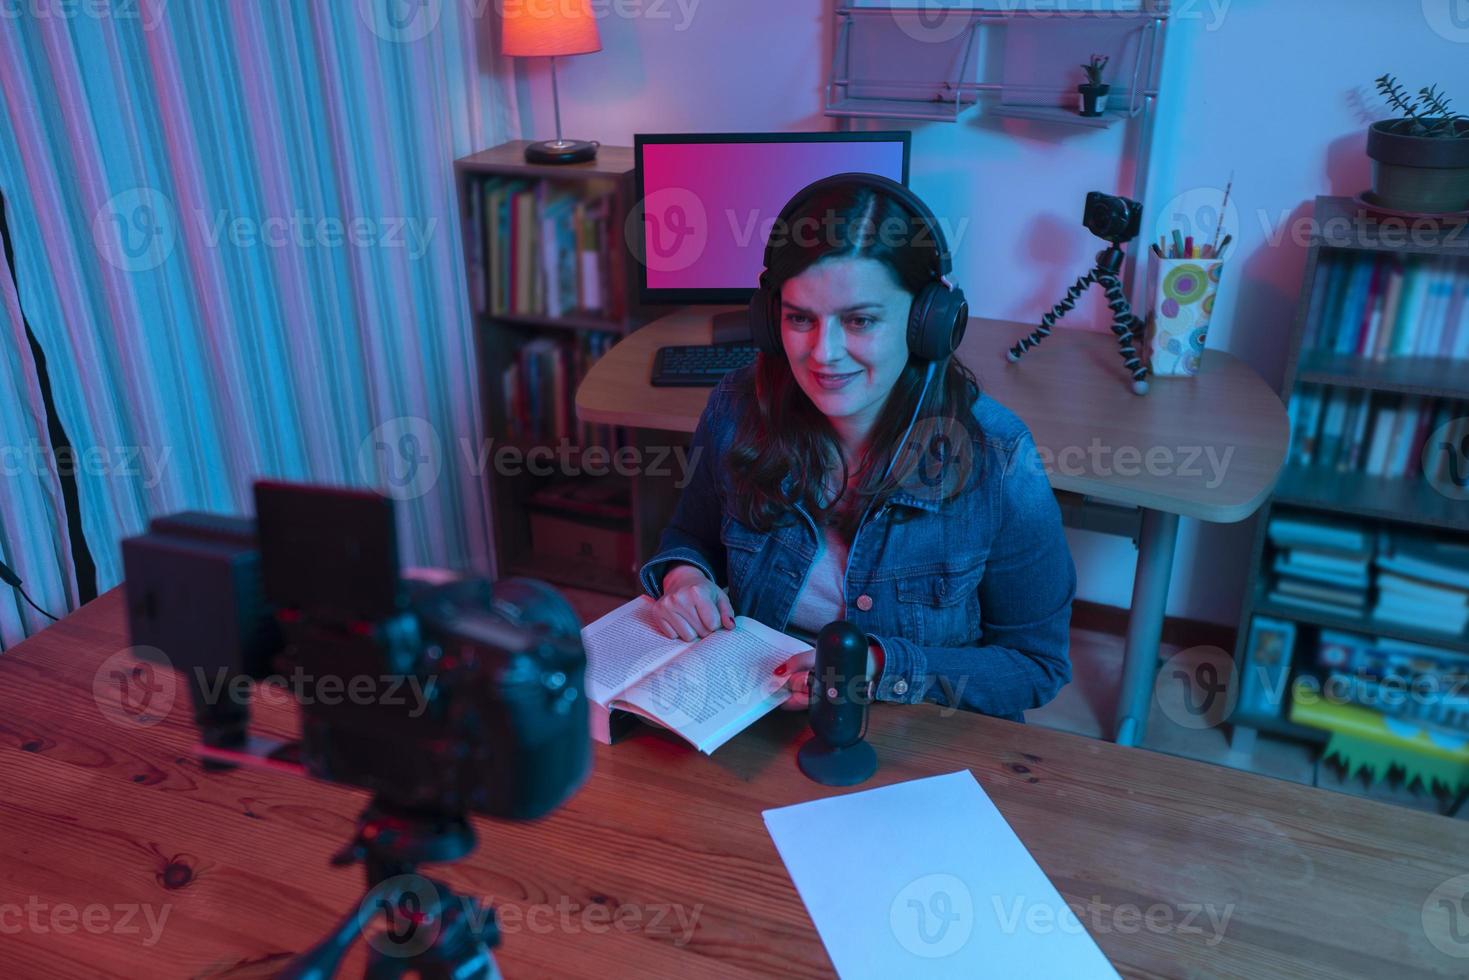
(925, 878)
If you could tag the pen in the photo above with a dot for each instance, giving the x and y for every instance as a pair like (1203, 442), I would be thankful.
(1219, 225)
(1177, 244)
(1227, 240)
(1156, 250)
(1188, 247)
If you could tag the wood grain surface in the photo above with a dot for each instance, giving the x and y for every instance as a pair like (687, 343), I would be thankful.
(1208, 447)
(661, 866)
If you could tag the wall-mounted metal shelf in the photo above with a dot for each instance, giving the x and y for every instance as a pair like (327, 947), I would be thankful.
(934, 63)
(936, 54)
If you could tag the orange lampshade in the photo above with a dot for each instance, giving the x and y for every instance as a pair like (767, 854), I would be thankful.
(549, 27)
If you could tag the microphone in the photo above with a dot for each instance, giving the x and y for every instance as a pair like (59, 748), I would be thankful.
(836, 755)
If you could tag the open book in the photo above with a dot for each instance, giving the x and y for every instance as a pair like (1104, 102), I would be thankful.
(705, 691)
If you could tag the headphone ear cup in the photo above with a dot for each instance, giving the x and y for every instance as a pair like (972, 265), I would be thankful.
(764, 330)
(937, 322)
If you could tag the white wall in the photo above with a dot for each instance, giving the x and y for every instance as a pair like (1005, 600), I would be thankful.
(1278, 93)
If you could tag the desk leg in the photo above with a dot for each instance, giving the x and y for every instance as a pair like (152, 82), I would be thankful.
(1156, 541)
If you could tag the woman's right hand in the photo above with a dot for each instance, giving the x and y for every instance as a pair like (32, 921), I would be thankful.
(691, 606)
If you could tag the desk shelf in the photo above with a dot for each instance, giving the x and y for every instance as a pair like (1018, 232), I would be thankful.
(1408, 501)
(1435, 377)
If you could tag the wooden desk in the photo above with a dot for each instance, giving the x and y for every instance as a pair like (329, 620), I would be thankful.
(101, 814)
(1208, 447)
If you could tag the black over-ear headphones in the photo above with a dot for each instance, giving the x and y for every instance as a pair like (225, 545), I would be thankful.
(940, 312)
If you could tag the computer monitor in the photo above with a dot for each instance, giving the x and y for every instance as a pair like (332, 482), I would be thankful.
(709, 200)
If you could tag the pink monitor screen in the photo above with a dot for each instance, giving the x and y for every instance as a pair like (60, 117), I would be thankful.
(709, 206)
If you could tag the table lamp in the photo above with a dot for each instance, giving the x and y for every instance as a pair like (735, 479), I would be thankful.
(549, 30)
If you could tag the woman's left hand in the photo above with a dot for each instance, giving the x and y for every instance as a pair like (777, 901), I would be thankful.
(797, 672)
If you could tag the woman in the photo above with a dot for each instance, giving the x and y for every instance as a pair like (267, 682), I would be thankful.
(795, 515)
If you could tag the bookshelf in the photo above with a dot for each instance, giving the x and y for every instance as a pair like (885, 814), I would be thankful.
(1378, 361)
(552, 286)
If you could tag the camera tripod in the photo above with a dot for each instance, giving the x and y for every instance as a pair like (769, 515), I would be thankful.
(431, 931)
(1127, 327)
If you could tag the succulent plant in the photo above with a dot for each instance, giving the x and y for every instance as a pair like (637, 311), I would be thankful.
(1094, 68)
(1426, 114)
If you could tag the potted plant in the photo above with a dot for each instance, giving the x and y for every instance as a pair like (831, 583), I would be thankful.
(1420, 161)
(1093, 94)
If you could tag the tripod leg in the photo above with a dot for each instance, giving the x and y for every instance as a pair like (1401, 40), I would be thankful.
(1049, 320)
(1127, 328)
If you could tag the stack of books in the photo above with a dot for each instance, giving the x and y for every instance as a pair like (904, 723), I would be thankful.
(1422, 584)
(1386, 305)
(539, 391)
(1356, 431)
(1319, 565)
(1395, 678)
(543, 248)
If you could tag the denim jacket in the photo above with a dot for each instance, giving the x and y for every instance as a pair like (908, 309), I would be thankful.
(970, 601)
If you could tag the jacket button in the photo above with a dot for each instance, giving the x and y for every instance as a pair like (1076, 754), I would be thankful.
(864, 602)
(900, 687)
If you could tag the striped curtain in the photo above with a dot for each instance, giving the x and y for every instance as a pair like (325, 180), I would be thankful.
(237, 243)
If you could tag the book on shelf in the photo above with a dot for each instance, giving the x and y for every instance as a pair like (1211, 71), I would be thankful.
(538, 390)
(1267, 666)
(1383, 427)
(1319, 565)
(1296, 563)
(1359, 431)
(544, 248)
(1423, 557)
(1299, 530)
(705, 691)
(1423, 617)
(1396, 678)
(1304, 414)
(1422, 584)
(1279, 598)
(1419, 590)
(1386, 305)
(1396, 578)
(1351, 457)
(1350, 600)
(1333, 422)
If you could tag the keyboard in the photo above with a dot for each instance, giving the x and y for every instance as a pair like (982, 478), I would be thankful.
(699, 364)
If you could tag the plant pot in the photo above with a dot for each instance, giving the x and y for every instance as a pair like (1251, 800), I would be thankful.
(1426, 174)
(1092, 99)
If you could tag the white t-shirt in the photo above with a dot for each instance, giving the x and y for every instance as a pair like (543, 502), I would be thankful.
(820, 600)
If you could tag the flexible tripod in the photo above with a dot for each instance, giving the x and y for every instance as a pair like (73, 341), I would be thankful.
(1126, 326)
(431, 931)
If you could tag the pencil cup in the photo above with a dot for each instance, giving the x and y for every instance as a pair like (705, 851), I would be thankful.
(1183, 300)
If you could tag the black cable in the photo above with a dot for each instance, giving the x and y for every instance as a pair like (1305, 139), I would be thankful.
(8, 576)
(33, 605)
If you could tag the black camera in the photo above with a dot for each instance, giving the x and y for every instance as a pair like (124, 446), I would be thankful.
(1112, 218)
(439, 699)
(449, 698)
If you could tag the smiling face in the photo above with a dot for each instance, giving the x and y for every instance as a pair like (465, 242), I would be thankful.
(844, 324)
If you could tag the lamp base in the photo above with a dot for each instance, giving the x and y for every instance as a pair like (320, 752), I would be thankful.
(562, 151)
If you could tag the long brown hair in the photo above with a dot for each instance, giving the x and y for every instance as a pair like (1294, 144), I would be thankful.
(785, 432)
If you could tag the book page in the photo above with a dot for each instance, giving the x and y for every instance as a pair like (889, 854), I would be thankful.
(719, 685)
(623, 647)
